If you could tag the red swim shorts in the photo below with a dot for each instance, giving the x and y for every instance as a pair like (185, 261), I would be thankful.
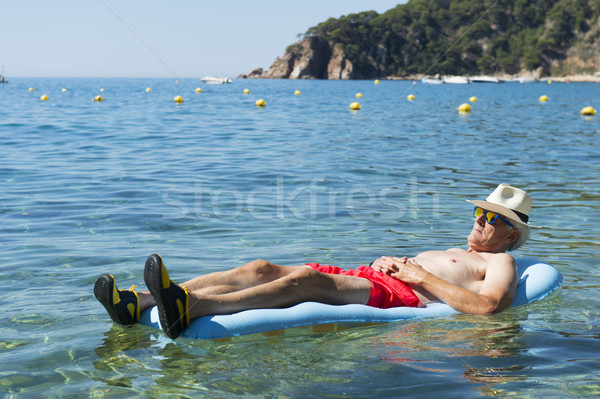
(387, 291)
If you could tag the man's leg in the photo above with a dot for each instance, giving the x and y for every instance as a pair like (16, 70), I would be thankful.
(301, 284)
(125, 306)
(242, 277)
(269, 286)
(249, 275)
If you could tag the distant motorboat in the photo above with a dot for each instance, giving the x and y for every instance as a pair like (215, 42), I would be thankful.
(523, 79)
(457, 80)
(432, 81)
(212, 80)
(484, 79)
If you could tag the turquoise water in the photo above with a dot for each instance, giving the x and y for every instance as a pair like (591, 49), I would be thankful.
(215, 182)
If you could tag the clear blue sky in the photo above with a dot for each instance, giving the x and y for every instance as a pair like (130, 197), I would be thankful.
(186, 38)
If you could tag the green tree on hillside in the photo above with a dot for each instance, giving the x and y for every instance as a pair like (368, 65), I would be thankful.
(460, 36)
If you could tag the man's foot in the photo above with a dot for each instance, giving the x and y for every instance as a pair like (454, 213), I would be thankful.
(171, 299)
(123, 306)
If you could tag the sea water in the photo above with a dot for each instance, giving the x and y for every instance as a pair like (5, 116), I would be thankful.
(214, 182)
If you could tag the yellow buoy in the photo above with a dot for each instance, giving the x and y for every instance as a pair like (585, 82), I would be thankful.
(465, 108)
(549, 81)
(261, 103)
(410, 97)
(588, 111)
(31, 89)
(297, 92)
(355, 106)
(44, 97)
(198, 90)
(64, 90)
(148, 89)
(473, 99)
(376, 81)
(178, 99)
(98, 98)
(246, 91)
(358, 95)
(543, 98)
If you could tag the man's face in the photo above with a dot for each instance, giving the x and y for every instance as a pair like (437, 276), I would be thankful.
(490, 237)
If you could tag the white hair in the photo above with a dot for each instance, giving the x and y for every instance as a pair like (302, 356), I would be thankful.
(523, 235)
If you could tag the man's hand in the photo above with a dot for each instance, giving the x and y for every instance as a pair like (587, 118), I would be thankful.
(387, 265)
(405, 270)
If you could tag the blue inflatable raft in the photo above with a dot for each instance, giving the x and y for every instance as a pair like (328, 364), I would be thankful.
(536, 281)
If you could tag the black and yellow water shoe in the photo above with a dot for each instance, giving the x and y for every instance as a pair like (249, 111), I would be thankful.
(171, 299)
(123, 306)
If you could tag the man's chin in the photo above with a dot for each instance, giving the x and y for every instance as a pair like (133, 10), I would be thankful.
(473, 235)
(474, 239)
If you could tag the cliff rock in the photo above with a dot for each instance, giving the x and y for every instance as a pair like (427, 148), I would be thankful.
(311, 58)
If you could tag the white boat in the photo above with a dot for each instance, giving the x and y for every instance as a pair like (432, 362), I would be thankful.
(523, 79)
(484, 79)
(432, 81)
(212, 80)
(457, 80)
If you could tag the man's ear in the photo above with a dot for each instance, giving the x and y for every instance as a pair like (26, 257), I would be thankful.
(513, 236)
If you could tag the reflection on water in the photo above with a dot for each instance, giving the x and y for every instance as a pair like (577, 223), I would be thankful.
(474, 345)
(120, 356)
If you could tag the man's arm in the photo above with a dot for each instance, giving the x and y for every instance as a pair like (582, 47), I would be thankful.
(496, 294)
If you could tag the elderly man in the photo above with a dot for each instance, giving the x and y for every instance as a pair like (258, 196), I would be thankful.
(481, 279)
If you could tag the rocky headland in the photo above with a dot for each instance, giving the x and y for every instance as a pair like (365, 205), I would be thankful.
(311, 58)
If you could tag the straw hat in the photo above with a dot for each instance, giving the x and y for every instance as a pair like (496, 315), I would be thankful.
(510, 202)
